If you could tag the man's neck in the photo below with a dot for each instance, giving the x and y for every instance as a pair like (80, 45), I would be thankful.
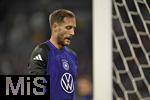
(54, 42)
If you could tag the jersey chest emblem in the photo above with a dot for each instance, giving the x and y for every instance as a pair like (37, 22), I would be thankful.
(65, 64)
(67, 83)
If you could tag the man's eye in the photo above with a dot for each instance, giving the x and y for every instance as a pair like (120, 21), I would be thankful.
(69, 27)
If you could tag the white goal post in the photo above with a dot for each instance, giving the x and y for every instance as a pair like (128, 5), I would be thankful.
(102, 67)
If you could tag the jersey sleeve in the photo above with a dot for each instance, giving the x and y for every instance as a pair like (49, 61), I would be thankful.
(38, 60)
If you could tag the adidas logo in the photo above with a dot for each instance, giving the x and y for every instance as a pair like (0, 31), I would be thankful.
(38, 57)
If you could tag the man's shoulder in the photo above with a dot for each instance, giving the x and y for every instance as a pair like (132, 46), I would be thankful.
(38, 60)
(72, 52)
(42, 47)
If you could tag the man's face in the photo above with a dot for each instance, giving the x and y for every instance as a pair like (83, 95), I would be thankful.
(65, 31)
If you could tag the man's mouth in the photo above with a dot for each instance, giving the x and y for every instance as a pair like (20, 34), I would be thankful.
(68, 38)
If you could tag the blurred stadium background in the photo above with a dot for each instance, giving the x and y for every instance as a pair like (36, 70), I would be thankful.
(24, 24)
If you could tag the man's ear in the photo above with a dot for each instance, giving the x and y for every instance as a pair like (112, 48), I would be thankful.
(54, 26)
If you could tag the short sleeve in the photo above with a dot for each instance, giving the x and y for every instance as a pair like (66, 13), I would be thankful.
(38, 60)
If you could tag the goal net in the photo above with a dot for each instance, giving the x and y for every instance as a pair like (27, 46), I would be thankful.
(131, 49)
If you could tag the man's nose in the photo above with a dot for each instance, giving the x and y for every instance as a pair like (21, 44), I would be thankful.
(72, 32)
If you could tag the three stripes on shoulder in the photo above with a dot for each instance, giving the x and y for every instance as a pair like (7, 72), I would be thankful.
(38, 57)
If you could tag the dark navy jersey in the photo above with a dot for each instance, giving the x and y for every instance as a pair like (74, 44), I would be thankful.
(60, 64)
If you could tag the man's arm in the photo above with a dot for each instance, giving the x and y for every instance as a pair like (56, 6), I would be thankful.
(38, 60)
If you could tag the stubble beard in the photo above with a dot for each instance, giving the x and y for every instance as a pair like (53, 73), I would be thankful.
(61, 41)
